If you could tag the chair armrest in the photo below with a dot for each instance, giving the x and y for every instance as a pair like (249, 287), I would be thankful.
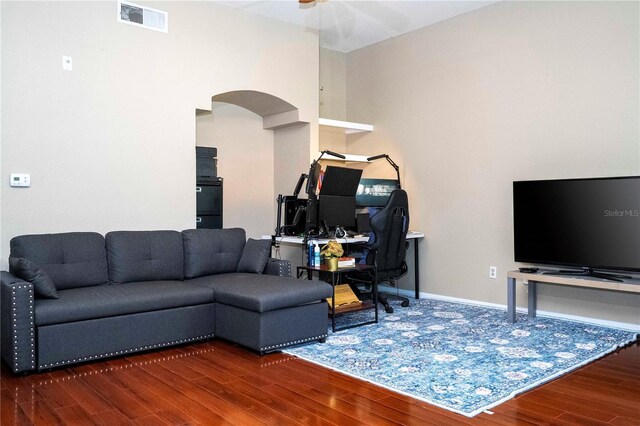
(281, 268)
(17, 323)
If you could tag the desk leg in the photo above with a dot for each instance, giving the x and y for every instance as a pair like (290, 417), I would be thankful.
(375, 292)
(416, 268)
(333, 302)
(511, 299)
(532, 299)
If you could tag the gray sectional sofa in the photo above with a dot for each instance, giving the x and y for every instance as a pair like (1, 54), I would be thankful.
(139, 290)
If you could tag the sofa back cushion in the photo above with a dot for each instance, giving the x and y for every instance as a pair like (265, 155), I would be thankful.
(144, 256)
(212, 251)
(73, 259)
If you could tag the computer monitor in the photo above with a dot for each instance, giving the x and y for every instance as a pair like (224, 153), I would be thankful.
(375, 192)
(340, 181)
(337, 211)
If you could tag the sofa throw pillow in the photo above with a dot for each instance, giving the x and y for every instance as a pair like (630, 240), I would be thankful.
(255, 256)
(26, 270)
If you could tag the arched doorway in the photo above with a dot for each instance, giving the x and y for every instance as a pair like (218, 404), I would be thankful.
(262, 149)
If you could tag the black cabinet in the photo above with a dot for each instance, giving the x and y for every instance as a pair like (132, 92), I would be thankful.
(208, 189)
(209, 198)
(209, 204)
(211, 221)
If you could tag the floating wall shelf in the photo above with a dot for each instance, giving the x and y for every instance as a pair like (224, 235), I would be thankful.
(348, 127)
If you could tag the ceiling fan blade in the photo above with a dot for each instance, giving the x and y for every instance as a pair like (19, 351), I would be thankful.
(337, 18)
(383, 13)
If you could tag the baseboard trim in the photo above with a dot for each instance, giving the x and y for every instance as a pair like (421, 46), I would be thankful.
(577, 318)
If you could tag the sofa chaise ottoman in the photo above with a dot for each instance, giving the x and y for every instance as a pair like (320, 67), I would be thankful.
(86, 297)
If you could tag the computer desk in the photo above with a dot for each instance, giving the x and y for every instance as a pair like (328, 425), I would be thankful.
(414, 236)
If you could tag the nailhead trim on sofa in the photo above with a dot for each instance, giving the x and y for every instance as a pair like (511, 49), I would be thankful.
(294, 342)
(141, 348)
(14, 326)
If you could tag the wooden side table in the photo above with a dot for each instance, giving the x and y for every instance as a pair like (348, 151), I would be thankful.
(335, 277)
(546, 276)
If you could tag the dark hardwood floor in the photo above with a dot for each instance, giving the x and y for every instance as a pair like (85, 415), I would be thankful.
(215, 383)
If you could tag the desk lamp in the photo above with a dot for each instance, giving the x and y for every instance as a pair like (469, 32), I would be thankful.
(394, 165)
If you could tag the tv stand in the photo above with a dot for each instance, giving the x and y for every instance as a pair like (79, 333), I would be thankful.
(569, 278)
(589, 272)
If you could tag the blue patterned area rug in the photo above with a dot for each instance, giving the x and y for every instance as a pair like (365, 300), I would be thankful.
(460, 357)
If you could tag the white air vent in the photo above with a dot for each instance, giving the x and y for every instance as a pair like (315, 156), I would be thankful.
(142, 16)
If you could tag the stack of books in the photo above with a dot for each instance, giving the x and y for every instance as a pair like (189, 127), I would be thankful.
(345, 262)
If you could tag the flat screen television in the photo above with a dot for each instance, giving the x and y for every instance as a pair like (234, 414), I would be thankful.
(583, 223)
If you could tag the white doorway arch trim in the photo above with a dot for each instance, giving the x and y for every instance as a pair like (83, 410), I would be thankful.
(275, 112)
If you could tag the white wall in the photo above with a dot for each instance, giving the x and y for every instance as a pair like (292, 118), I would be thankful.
(245, 162)
(333, 80)
(513, 91)
(110, 145)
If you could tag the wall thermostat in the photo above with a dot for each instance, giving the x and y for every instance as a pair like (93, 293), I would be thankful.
(20, 179)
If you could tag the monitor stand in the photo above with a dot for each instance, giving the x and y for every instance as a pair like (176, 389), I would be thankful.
(589, 272)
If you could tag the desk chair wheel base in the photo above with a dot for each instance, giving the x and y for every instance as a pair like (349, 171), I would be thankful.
(382, 299)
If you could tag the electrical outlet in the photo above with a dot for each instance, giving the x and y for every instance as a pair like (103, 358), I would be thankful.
(67, 63)
(493, 272)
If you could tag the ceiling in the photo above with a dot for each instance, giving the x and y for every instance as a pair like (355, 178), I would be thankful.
(347, 25)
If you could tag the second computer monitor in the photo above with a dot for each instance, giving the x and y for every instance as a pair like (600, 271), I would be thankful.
(337, 211)
(375, 192)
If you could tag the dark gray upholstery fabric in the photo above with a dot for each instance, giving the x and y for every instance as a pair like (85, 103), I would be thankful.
(272, 330)
(74, 342)
(254, 256)
(74, 259)
(281, 268)
(212, 251)
(144, 256)
(25, 269)
(16, 326)
(263, 293)
(109, 300)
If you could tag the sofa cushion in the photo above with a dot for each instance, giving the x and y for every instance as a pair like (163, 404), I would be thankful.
(73, 259)
(212, 251)
(263, 293)
(25, 269)
(144, 256)
(110, 300)
(255, 256)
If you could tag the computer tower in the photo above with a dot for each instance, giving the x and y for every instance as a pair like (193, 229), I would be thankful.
(295, 215)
